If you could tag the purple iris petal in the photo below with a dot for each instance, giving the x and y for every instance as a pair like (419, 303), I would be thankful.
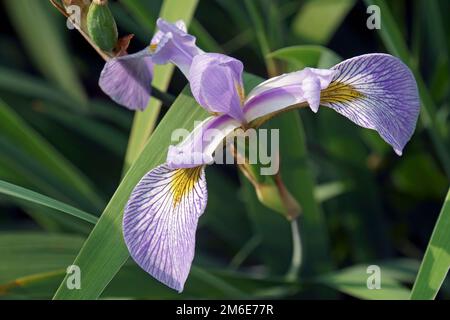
(172, 44)
(160, 221)
(127, 79)
(216, 84)
(376, 91)
(178, 28)
(281, 92)
(199, 146)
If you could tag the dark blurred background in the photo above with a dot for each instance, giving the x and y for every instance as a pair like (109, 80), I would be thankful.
(62, 137)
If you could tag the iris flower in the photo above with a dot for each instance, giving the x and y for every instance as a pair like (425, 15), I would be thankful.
(375, 91)
(127, 79)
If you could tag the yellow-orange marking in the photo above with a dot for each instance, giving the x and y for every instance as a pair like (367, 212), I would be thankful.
(183, 181)
(241, 93)
(340, 92)
(153, 47)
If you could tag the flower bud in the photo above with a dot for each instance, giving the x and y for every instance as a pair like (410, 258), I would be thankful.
(101, 25)
(271, 191)
(275, 196)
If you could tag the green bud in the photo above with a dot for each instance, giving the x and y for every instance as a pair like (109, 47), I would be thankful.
(276, 197)
(101, 25)
(269, 196)
(270, 190)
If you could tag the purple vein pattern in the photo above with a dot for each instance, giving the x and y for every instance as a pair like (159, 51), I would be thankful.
(160, 221)
(376, 91)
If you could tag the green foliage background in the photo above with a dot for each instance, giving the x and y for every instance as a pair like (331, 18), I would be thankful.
(69, 157)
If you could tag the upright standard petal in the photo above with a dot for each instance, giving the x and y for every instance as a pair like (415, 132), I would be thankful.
(216, 84)
(160, 222)
(376, 91)
(279, 93)
(172, 44)
(199, 146)
(127, 79)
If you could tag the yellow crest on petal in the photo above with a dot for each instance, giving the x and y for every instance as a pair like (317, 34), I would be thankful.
(340, 92)
(183, 181)
(241, 93)
(152, 47)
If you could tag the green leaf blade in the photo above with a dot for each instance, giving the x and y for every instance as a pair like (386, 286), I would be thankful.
(317, 20)
(17, 131)
(436, 262)
(35, 24)
(34, 197)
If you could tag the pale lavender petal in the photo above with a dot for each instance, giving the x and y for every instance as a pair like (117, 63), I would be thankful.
(279, 93)
(127, 79)
(216, 83)
(376, 91)
(181, 25)
(311, 90)
(163, 27)
(172, 44)
(199, 146)
(160, 221)
(178, 28)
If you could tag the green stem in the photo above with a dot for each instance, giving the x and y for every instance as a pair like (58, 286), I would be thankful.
(166, 98)
(106, 56)
(296, 260)
(245, 251)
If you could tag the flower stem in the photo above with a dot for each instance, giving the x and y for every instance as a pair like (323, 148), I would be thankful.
(166, 98)
(245, 252)
(296, 260)
(62, 10)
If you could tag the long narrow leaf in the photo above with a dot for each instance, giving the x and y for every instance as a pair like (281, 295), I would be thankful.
(18, 132)
(353, 281)
(31, 196)
(36, 26)
(317, 20)
(436, 262)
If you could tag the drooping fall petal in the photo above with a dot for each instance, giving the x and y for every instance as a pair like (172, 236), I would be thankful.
(160, 222)
(127, 79)
(376, 91)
